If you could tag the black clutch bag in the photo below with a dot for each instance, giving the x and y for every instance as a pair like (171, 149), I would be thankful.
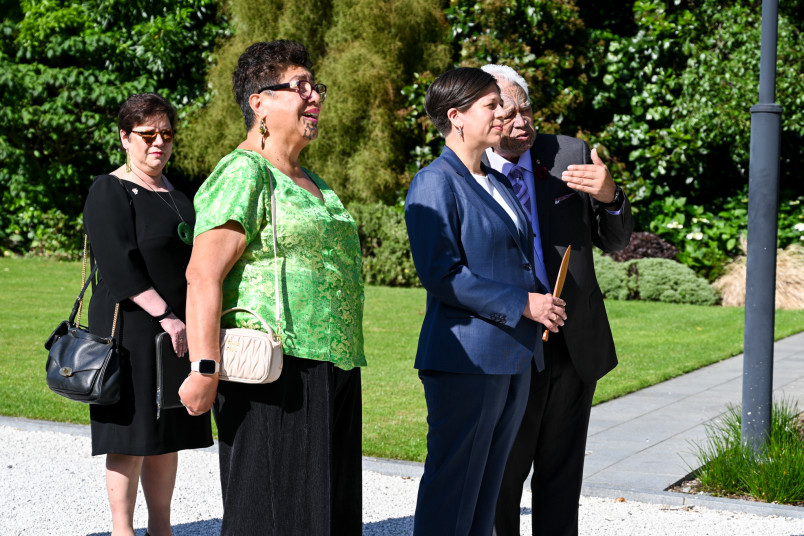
(171, 371)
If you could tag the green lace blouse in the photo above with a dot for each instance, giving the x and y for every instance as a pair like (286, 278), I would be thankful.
(318, 254)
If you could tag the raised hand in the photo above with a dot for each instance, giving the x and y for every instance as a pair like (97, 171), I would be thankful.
(593, 179)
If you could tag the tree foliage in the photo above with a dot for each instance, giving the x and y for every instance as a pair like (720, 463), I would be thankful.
(65, 68)
(217, 128)
(365, 51)
(679, 91)
(662, 87)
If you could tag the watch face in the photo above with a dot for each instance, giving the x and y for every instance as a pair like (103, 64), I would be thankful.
(206, 366)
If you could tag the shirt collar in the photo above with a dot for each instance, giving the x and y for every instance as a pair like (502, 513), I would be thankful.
(503, 165)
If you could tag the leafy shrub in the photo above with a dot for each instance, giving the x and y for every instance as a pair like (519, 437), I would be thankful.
(775, 475)
(707, 241)
(612, 277)
(668, 281)
(385, 246)
(645, 245)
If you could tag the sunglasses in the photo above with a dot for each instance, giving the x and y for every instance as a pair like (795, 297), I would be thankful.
(149, 136)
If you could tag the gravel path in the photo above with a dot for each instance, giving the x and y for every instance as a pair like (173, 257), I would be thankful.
(50, 485)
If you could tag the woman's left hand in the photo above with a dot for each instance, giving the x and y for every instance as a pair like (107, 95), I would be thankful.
(197, 392)
(547, 309)
(178, 334)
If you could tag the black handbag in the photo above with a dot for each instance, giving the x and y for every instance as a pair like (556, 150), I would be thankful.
(82, 366)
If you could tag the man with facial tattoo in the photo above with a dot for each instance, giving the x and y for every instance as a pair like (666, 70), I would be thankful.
(572, 200)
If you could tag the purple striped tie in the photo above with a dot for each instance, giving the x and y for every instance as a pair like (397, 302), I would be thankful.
(517, 178)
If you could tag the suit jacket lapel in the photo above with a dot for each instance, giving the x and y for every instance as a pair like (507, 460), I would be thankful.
(486, 199)
(522, 219)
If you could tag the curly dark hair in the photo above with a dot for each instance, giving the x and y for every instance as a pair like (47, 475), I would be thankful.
(140, 107)
(457, 88)
(262, 64)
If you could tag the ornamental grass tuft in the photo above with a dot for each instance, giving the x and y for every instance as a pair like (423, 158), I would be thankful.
(775, 475)
(789, 279)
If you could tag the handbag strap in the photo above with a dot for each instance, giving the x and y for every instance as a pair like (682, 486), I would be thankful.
(276, 262)
(79, 302)
(261, 319)
(85, 281)
(277, 309)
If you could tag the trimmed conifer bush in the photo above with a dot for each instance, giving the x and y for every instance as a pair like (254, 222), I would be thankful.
(668, 281)
(612, 277)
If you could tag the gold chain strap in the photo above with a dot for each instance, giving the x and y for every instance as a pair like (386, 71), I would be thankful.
(81, 303)
(114, 322)
(83, 280)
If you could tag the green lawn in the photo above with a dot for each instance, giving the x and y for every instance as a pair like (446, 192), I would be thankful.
(654, 342)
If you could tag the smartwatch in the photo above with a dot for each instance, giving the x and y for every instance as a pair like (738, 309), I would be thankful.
(207, 367)
(616, 202)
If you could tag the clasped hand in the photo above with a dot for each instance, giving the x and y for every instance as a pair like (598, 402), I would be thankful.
(178, 333)
(546, 309)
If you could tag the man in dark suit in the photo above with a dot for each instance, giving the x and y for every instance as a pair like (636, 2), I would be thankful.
(573, 201)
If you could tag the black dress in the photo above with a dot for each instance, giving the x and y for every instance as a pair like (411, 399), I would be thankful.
(136, 246)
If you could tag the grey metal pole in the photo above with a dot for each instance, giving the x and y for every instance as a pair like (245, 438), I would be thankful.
(763, 199)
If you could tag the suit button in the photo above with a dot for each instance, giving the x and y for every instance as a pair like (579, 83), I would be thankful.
(526, 267)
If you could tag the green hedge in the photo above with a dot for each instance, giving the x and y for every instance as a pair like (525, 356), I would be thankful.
(661, 280)
(385, 245)
(612, 277)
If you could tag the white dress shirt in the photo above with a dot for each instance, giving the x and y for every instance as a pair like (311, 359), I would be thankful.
(485, 182)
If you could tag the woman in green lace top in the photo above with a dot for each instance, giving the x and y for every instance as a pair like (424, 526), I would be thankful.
(290, 451)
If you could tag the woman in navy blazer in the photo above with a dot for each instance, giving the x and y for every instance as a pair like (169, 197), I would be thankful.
(473, 250)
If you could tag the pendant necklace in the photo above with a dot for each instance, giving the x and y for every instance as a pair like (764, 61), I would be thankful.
(184, 230)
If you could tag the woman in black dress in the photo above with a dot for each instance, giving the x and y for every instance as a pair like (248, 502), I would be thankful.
(140, 231)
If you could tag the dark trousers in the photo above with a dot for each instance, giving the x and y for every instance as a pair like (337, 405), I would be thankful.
(472, 421)
(290, 452)
(552, 438)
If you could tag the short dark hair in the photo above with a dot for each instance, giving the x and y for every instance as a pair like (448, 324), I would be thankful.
(263, 64)
(457, 88)
(143, 106)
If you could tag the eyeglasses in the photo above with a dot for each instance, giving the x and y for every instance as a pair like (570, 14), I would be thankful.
(149, 136)
(304, 87)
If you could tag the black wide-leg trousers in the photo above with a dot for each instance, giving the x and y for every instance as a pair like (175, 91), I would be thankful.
(291, 452)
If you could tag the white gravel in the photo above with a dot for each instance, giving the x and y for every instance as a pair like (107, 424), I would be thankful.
(50, 485)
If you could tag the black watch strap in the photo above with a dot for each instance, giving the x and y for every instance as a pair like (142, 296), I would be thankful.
(617, 202)
(164, 315)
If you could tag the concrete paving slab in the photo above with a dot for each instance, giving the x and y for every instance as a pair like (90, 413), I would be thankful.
(643, 441)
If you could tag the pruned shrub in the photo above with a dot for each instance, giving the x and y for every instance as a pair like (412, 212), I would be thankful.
(385, 246)
(645, 245)
(668, 281)
(612, 277)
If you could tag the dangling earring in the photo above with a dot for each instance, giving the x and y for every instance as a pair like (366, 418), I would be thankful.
(460, 132)
(263, 132)
(128, 163)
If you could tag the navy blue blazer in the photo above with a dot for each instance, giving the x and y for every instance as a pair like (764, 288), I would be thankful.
(477, 267)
